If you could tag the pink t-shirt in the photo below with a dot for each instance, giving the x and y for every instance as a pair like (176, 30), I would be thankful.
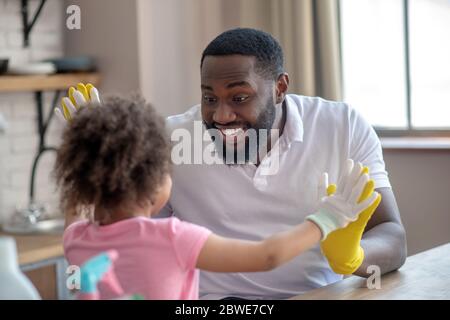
(157, 257)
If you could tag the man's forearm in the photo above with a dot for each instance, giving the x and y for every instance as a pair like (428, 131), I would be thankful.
(384, 246)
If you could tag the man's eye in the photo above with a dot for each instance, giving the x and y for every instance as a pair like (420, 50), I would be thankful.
(209, 99)
(240, 99)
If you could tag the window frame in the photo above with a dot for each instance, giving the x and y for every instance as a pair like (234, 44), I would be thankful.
(409, 131)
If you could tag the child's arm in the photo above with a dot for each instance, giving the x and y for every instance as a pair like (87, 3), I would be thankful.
(221, 254)
(335, 211)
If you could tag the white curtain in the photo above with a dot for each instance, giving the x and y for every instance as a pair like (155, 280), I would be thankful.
(308, 30)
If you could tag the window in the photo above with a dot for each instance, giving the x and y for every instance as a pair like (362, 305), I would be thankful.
(396, 62)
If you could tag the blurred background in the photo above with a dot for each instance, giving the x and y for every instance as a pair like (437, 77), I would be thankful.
(388, 58)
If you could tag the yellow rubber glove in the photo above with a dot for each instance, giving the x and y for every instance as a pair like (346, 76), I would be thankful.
(78, 98)
(342, 247)
(336, 211)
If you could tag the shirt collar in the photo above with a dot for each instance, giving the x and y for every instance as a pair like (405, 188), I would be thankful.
(293, 128)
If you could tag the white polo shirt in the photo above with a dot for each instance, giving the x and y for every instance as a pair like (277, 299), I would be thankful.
(240, 202)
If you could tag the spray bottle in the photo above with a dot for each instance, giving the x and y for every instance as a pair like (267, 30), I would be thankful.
(14, 285)
(101, 269)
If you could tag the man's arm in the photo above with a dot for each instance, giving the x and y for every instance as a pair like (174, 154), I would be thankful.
(384, 239)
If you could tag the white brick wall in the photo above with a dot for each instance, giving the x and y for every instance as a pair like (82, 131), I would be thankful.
(20, 142)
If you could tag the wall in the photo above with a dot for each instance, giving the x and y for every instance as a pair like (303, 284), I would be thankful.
(20, 142)
(170, 60)
(421, 179)
(172, 35)
(152, 46)
(108, 33)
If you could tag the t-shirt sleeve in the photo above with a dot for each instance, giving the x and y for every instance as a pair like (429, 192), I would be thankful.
(187, 240)
(365, 147)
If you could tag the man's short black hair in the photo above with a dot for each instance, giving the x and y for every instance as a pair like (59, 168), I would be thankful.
(249, 42)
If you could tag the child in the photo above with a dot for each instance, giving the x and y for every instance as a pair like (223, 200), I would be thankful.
(114, 159)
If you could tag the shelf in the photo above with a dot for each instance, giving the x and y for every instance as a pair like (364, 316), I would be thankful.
(62, 81)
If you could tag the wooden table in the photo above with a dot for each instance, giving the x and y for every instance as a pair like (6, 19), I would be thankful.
(424, 276)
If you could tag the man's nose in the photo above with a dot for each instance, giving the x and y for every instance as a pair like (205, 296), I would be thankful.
(224, 114)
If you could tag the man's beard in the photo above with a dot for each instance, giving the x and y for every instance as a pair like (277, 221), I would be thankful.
(255, 143)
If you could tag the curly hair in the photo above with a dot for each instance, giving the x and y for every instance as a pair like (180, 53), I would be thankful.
(113, 155)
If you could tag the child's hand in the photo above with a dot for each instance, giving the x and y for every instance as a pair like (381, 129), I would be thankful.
(78, 98)
(339, 209)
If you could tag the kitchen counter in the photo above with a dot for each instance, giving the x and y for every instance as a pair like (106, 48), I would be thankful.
(36, 248)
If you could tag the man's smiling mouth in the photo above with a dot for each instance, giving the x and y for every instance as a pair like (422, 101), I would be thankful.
(232, 134)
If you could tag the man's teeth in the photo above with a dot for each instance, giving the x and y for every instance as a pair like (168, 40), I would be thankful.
(232, 132)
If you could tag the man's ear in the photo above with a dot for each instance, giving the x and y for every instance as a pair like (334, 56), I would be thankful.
(282, 86)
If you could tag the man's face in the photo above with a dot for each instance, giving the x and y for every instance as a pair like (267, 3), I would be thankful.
(235, 99)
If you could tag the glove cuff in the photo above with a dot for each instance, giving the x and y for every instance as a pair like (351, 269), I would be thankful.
(325, 221)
